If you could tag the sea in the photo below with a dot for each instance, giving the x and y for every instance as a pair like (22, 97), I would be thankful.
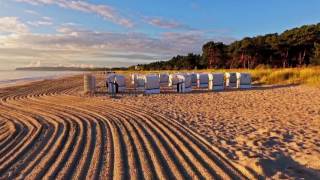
(14, 77)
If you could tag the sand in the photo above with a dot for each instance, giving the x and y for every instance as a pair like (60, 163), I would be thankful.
(50, 129)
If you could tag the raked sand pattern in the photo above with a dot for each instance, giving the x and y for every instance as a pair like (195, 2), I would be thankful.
(48, 130)
(273, 131)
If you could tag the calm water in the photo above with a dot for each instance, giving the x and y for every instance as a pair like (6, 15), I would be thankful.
(12, 77)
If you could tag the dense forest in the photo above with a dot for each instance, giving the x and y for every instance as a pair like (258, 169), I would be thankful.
(293, 48)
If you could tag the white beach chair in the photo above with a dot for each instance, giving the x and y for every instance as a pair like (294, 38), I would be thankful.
(138, 82)
(173, 80)
(164, 79)
(120, 80)
(216, 81)
(111, 88)
(152, 84)
(244, 80)
(180, 82)
(184, 83)
(116, 83)
(89, 83)
(203, 80)
(231, 79)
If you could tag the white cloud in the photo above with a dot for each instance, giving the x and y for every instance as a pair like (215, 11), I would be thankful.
(104, 11)
(12, 25)
(45, 18)
(39, 23)
(162, 23)
(79, 65)
(71, 44)
(109, 13)
(69, 38)
(70, 24)
(31, 12)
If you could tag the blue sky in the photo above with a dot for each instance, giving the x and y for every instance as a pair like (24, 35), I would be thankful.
(125, 32)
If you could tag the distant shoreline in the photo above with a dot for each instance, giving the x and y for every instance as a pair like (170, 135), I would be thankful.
(28, 80)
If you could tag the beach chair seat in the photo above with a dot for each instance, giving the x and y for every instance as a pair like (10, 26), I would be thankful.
(216, 81)
(194, 79)
(139, 82)
(203, 80)
(164, 79)
(152, 84)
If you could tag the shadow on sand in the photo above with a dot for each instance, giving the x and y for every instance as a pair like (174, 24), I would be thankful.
(167, 90)
(287, 166)
(254, 88)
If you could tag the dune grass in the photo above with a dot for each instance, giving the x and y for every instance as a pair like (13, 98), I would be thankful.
(309, 76)
(264, 76)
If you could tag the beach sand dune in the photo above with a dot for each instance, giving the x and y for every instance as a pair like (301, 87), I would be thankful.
(50, 129)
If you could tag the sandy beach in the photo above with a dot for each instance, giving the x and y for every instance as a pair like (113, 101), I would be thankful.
(50, 129)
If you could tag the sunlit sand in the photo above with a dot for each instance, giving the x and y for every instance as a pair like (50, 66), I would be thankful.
(50, 129)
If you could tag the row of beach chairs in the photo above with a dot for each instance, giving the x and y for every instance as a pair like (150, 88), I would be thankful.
(179, 82)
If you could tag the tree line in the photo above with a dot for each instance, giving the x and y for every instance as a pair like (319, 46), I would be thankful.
(296, 47)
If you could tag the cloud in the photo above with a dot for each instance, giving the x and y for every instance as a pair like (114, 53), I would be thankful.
(106, 12)
(71, 38)
(125, 56)
(39, 23)
(167, 24)
(110, 14)
(42, 21)
(46, 18)
(87, 46)
(80, 65)
(70, 24)
(31, 12)
(102, 63)
(12, 25)
(79, 39)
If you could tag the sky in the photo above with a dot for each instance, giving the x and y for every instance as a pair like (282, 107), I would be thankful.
(95, 33)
